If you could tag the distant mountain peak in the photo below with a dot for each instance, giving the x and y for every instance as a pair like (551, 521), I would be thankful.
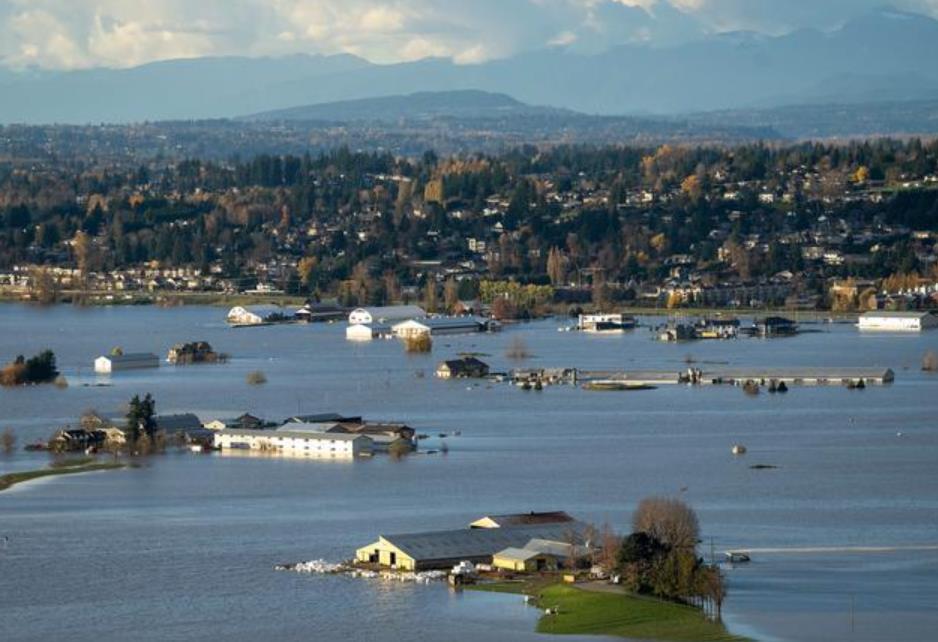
(465, 103)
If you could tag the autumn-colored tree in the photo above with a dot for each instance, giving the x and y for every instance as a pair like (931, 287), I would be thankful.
(83, 246)
(556, 267)
(306, 268)
(669, 520)
(691, 187)
(430, 297)
(450, 295)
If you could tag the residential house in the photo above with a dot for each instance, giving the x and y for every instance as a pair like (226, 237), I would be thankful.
(467, 367)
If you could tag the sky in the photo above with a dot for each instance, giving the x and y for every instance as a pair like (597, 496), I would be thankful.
(77, 34)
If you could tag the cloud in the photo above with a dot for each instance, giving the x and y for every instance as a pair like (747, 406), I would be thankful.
(68, 34)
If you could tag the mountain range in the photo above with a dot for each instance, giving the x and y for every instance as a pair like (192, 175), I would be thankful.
(882, 56)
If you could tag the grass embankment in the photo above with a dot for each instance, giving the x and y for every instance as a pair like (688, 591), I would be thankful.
(58, 468)
(620, 614)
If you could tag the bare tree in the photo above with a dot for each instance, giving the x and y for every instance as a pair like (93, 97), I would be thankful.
(517, 349)
(669, 520)
(609, 546)
(930, 361)
(8, 440)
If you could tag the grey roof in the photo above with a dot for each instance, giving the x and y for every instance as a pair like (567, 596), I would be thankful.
(305, 427)
(517, 553)
(449, 322)
(131, 356)
(393, 311)
(520, 519)
(322, 417)
(476, 542)
(290, 434)
(178, 423)
(889, 314)
(549, 547)
(263, 310)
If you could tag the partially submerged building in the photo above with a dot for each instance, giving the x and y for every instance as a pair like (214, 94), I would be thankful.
(884, 321)
(385, 314)
(257, 314)
(107, 364)
(296, 443)
(466, 367)
(443, 549)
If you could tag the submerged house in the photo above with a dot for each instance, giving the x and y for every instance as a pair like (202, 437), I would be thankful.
(257, 315)
(897, 321)
(319, 312)
(467, 367)
(443, 549)
(435, 326)
(775, 327)
(107, 364)
(385, 314)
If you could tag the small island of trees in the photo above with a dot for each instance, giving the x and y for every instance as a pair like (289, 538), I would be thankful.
(40, 368)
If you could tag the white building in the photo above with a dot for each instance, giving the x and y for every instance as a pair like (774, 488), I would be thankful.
(455, 325)
(256, 314)
(367, 316)
(897, 321)
(362, 332)
(296, 443)
(131, 361)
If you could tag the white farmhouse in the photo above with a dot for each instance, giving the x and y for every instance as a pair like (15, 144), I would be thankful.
(897, 321)
(296, 443)
(131, 361)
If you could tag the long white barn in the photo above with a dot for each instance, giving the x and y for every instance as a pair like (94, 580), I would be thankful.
(367, 316)
(897, 321)
(294, 442)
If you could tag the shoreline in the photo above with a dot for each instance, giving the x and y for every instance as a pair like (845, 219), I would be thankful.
(9, 480)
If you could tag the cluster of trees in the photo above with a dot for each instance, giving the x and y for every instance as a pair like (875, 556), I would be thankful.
(660, 556)
(40, 368)
(141, 423)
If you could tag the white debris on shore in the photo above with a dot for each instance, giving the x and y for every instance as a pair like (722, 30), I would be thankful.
(322, 567)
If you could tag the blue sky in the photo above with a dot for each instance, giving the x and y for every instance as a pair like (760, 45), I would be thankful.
(69, 34)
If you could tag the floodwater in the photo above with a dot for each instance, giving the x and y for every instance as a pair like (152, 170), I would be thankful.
(184, 547)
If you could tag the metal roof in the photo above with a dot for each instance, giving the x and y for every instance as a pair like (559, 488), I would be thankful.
(889, 314)
(290, 434)
(519, 519)
(520, 554)
(131, 356)
(476, 542)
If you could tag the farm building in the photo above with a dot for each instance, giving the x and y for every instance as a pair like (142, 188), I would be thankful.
(296, 443)
(131, 361)
(257, 314)
(384, 314)
(363, 332)
(523, 560)
(454, 325)
(522, 519)
(319, 312)
(897, 321)
(443, 549)
(467, 367)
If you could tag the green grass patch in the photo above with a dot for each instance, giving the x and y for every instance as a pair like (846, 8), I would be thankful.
(12, 479)
(582, 612)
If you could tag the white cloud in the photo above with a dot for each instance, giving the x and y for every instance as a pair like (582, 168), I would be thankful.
(84, 33)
